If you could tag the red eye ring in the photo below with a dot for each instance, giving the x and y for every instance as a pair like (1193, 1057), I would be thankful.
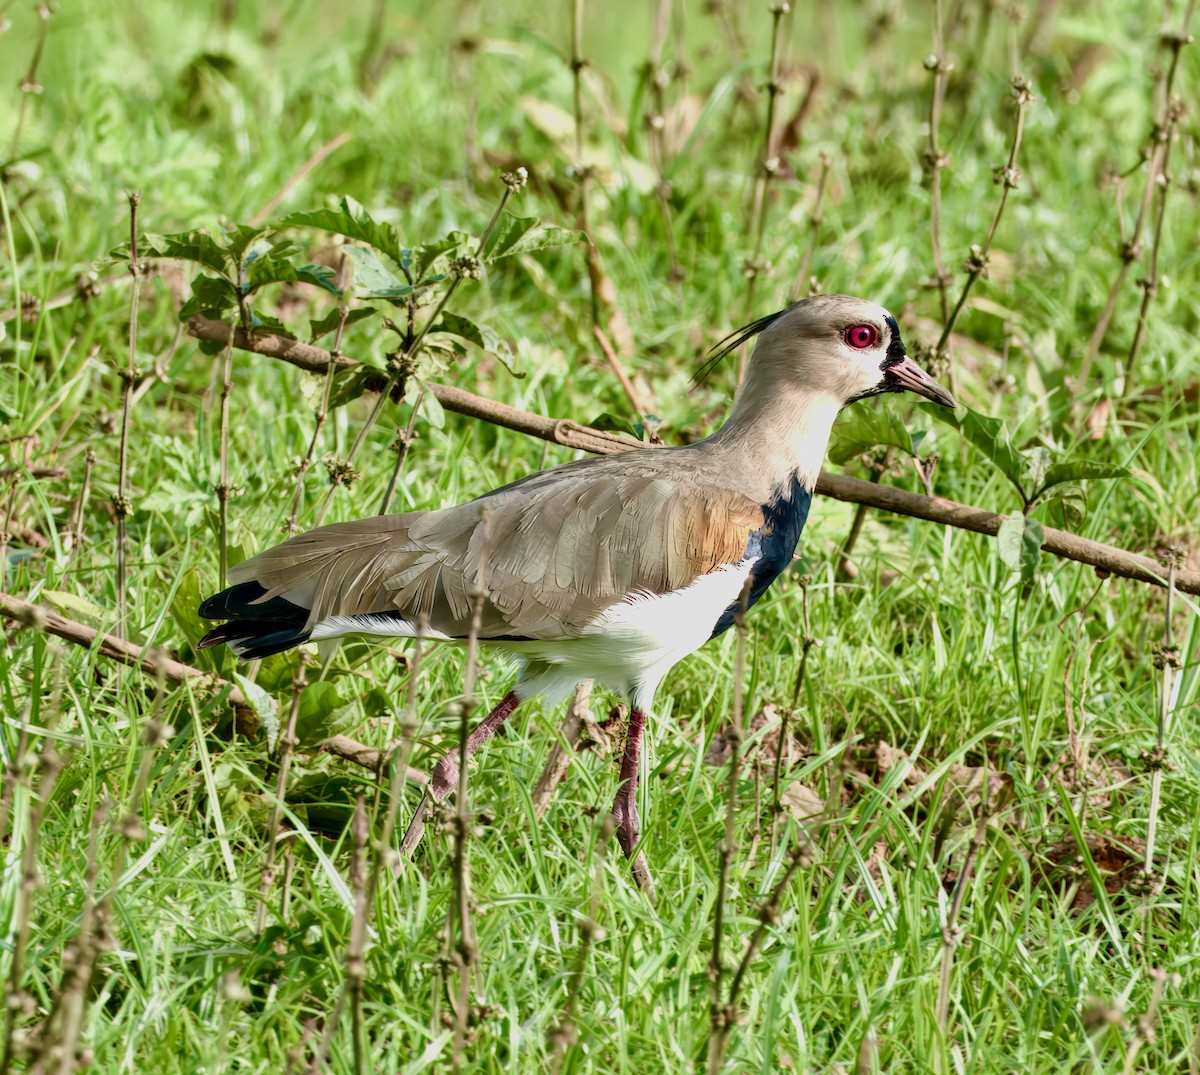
(862, 336)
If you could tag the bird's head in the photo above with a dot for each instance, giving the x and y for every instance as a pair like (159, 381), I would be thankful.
(834, 345)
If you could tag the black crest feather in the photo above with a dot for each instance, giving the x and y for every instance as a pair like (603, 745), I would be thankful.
(732, 342)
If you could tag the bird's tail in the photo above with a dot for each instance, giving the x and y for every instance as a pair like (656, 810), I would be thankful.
(253, 630)
(322, 583)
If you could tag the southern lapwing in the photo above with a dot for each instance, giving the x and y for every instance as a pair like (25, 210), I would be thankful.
(611, 569)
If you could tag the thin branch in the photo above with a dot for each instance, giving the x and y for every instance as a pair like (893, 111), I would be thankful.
(1007, 178)
(129, 376)
(570, 434)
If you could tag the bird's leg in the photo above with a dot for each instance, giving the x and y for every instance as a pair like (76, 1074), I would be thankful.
(629, 825)
(444, 778)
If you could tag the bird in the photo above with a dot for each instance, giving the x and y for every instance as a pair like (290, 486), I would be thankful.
(612, 568)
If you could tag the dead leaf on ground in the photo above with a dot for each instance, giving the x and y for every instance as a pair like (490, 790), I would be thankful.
(1119, 861)
(762, 748)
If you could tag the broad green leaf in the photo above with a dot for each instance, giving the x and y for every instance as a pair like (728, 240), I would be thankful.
(523, 235)
(239, 241)
(265, 708)
(988, 435)
(1069, 500)
(267, 323)
(463, 327)
(424, 257)
(328, 324)
(75, 607)
(195, 245)
(268, 269)
(488, 339)
(867, 428)
(354, 222)
(1019, 542)
(316, 718)
(431, 407)
(211, 296)
(349, 386)
(612, 423)
(373, 279)
(1081, 470)
(1037, 461)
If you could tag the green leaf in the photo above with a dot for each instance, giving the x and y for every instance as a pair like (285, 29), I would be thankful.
(211, 296)
(354, 222)
(265, 708)
(328, 324)
(460, 326)
(242, 238)
(611, 423)
(271, 269)
(1019, 542)
(75, 607)
(425, 257)
(270, 324)
(195, 245)
(1037, 461)
(867, 428)
(347, 387)
(431, 406)
(523, 235)
(1069, 501)
(483, 337)
(989, 435)
(373, 279)
(1081, 470)
(315, 720)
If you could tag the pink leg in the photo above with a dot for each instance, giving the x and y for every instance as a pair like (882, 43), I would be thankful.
(629, 825)
(444, 778)
(445, 774)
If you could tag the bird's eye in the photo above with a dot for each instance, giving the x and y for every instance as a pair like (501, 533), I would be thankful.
(860, 337)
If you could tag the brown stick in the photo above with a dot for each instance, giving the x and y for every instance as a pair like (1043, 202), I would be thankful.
(45, 619)
(41, 618)
(1105, 558)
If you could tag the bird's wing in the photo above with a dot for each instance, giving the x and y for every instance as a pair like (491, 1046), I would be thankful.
(552, 551)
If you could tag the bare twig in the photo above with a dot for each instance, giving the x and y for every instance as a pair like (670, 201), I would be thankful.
(951, 934)
(465, 953)
(725, 1018)
(1007, 178)
(560, 756)
(322, 415)
(287, 743)
(29, 84)
(563, 1035)
(130, 376)
(1167, 661)
(803, 282)
(1165, 134)
(768, 165)
(935, 160)
(1105, 558)
(356, 962)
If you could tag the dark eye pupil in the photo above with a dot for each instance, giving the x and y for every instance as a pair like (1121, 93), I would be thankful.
(860, 336)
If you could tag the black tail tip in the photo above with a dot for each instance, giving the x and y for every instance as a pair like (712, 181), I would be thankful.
(255, 628)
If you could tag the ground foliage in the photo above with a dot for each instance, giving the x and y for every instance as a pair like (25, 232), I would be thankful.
(948, 678)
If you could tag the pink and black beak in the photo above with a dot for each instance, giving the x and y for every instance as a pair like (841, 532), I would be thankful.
(902, 374)
(906, 376)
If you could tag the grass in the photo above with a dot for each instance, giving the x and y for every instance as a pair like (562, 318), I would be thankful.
(937, 646)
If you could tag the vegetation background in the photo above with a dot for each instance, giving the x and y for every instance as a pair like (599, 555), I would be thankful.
(966, 801)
